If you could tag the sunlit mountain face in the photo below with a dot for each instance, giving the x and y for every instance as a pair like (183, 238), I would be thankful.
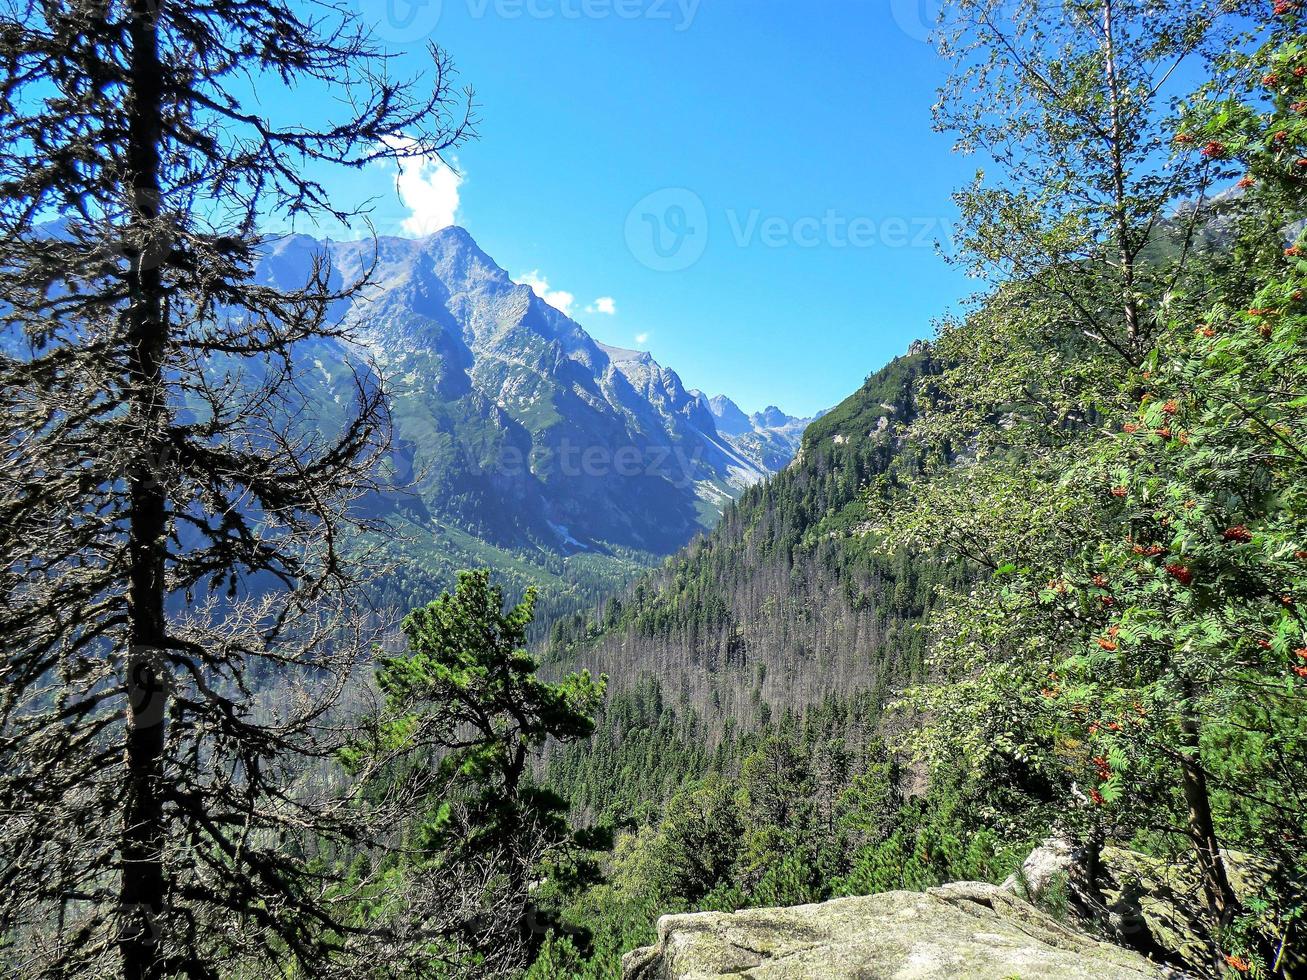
(512, 426)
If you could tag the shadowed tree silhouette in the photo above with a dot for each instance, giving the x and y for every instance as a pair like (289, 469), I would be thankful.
(173, 524)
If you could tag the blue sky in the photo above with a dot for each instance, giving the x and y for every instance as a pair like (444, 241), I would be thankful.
(753, 184)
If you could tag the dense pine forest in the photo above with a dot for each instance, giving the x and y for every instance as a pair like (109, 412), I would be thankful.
(1042, 576)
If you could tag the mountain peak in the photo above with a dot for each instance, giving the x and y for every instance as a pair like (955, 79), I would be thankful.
(456, 232)
(731, 421)
(488, 364)
(457, 239)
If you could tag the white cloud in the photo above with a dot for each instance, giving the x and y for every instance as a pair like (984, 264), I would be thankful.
(559, 299)
(642, 338)
(427, 187)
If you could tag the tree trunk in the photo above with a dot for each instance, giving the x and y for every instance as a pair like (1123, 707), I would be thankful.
(143, 887)
(1086, 876)
(518, 849)
(1125, 253)
(1221, 899)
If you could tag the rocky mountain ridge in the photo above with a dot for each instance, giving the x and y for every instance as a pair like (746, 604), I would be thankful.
(770, 438)
(496, 390)
(516, 435)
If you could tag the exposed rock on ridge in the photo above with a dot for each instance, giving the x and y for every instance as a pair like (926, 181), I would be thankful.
(511, 423)
(961, 931)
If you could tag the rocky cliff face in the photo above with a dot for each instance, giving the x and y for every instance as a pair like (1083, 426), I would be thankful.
(961, 931)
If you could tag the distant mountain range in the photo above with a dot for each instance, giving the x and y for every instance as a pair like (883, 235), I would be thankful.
(523, 442)
(770, 437)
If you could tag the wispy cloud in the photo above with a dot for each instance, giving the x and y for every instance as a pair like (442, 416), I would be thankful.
(642, 338)
(604, 304)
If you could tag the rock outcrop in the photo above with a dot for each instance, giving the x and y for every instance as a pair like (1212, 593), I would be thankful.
(1158, 906)
(1048, 865)
(960, 931)
(1148, 904)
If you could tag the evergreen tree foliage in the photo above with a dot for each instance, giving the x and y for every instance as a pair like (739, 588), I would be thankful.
(464, 714)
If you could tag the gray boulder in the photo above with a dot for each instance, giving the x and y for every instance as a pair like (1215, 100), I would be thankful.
(1148, 904)
(1048, 864)
(961, 931)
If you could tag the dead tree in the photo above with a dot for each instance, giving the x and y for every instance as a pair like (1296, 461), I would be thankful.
(175, 533)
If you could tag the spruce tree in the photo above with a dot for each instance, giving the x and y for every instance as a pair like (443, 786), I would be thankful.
(173, 526)
(467, 701)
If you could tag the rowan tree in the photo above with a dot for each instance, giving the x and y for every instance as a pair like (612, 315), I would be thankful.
(1131, 500)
